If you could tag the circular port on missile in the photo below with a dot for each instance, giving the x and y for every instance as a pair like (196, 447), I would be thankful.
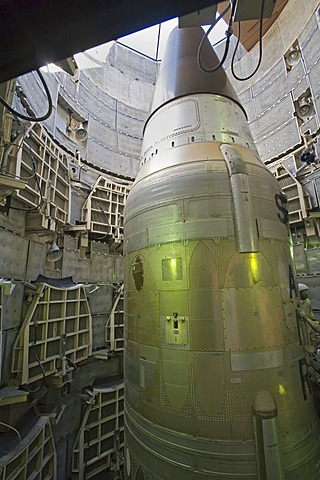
(137, 272)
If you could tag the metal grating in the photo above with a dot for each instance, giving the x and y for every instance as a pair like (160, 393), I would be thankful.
(103, 209)
(56, 334)
(99, 444)
(36, 455)
(44, 165)
(114, 326)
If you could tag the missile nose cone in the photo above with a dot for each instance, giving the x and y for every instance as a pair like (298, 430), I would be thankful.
(180, 73)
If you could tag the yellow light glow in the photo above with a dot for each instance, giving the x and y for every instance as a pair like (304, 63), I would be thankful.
(254, 264)
(281, 390)
(173, 262)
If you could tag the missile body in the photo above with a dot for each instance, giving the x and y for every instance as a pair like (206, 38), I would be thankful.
(215, 379)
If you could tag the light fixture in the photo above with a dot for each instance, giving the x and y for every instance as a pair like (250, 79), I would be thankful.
(54, 253)
(305, 107)
(81, 133)
(293, 56)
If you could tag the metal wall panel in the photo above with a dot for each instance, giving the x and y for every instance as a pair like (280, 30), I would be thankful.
(13, 259)
(98, 107)
(280, 141)
(99, 132)
(272, 119)
(311, 49)
(314, 78)
(308, 30)
(36, 262)
(12, 307)
(269, 77)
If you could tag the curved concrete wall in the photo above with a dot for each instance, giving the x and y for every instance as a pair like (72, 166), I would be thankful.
(112, 98)
(270, 95)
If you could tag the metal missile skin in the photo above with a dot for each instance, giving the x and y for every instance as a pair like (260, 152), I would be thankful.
(215, 379)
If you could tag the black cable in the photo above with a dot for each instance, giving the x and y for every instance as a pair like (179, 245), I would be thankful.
(217, 20)
(260, 49)
(25, 117)
(17, 447)
(37, 390)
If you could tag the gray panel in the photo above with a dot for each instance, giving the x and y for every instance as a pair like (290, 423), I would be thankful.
(311, 125)
(93, 270)
(300, 88)
(270, 94)
(278, 88)
(316, 103)
(311, 49)
(136, 66)
(278, 115)
(249, 108)
(98, 106)
(101, 156)
(314, 78)
(96, 91)
(296, 74)
(13, 259)
(35, 93)
(313, 260)
(15, 221)
(256, 360)
(12, 308)
(308, 30)
(71, 86)
(98, 331)
(132, 112)
(245, 96)
(99, 132)
(36, 260)
(299, 258)
(100, 298)
(118, 269)
(129, 145)
(269, 77)
(280, 141)
(129, 125)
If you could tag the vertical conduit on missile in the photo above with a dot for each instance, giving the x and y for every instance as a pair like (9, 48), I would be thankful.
(244, 221)
(265, 419)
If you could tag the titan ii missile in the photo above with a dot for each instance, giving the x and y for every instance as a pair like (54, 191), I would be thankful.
(215, 378)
